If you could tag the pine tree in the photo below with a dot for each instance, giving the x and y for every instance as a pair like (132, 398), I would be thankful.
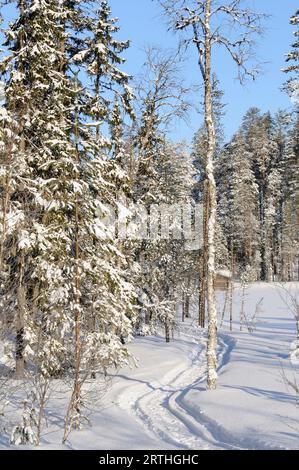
(290, 200)
(238, 201)
(264, 155)
(34, 72)
(291, 86)
(66, 295)
(103, 307)
(261, 144)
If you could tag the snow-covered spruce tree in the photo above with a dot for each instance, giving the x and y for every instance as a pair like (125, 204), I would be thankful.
(292, 69)
(257, 157)
(276, 200)
(279, 178)
(18, 186)
(238, 202)
(102, 308)
(289, 207)
(273, 196)
(64, 271)
(289, 239)
(262, 146)
(40, 239)
(99, 54)
(117, 133)
(7, 154)
(24, 433)
(52, 159)
(49, 175)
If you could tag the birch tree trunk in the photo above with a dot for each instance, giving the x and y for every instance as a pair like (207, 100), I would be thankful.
(203, 280)
(212, 204)
(197, 16)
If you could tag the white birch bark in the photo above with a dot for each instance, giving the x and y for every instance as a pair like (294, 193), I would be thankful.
(212, 204)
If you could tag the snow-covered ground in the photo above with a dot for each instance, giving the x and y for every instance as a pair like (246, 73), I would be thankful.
(163, 403)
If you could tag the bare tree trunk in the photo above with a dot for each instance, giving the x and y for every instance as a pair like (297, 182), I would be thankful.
(167, 332)
(21, 292)
(21, 298)
(225, 304)
(263, 273)
(42, 386)
(73, 413)
(187, 306)
(242, 312)
(77, 314)
(231, 289)
(212, 204)
(93, 374)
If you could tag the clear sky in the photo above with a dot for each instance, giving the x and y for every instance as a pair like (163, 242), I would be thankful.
(141, 22)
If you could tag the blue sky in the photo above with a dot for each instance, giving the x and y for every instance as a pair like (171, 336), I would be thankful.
(141, 22)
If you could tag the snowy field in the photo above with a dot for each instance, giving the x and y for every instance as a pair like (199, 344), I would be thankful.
(163, 404)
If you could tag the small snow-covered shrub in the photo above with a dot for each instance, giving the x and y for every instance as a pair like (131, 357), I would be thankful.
(294, 353)
(24, 433)
(146, 330)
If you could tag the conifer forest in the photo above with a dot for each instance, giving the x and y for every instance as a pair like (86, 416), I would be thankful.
(149, 242)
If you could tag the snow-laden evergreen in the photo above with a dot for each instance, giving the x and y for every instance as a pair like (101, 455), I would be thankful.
(114, 230)
(292, 59)
(67, 303)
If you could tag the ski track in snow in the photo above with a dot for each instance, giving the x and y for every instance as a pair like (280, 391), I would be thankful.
(166, 397)
(163, 412)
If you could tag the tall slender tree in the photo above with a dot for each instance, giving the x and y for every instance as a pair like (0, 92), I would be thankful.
(204, 22)
(66, 296)
(292, 69)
